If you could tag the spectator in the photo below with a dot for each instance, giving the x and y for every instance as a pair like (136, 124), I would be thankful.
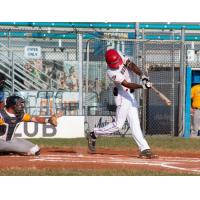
(34, 73)
(91, 87)
(72, 80)
(62, 82)
(195, 97)
(97, 85)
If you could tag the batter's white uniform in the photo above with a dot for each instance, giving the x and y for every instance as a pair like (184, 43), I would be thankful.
(127, 106)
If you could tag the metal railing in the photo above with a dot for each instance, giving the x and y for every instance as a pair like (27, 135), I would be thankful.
(13, 66)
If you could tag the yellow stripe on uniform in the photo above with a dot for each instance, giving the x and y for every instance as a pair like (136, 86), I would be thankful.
(26, 118)
(2, 121)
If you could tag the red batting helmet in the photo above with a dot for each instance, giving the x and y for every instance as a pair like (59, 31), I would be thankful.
(113, 59)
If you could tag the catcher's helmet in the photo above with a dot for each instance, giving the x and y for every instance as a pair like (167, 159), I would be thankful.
(16, 103)
(113, 59)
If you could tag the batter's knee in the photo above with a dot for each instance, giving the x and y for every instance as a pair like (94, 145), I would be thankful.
(34, 151)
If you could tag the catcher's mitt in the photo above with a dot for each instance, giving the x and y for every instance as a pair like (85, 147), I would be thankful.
(53, 119)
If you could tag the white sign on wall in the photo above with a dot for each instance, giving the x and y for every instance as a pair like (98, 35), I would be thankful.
(68, 127)
(32, 52)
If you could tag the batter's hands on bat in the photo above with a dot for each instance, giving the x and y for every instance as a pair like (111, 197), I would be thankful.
(147, 85)
(144, 79)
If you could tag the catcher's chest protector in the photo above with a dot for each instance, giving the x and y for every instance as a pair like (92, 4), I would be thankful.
(10, 124)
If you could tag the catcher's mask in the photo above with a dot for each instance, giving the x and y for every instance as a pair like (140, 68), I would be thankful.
(17, 104)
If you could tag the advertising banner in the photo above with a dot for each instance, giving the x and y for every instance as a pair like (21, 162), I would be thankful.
(68, 127)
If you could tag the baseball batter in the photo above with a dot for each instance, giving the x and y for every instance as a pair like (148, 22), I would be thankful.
(10, 117)
(120, 71)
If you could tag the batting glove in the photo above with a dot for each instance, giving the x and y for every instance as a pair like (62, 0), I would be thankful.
(147, 85)
(144, 79)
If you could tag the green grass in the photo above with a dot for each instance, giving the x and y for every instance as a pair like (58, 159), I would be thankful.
(158, 142)
(163, 143)
(86, 172)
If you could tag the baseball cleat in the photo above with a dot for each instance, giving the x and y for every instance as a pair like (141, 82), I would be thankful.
(147, 153)
(37, 153)
(91, 141)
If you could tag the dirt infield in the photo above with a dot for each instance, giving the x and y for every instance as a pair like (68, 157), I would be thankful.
(79, 158)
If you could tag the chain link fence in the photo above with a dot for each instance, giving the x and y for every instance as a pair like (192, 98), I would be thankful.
(162, 63)
(160, 60)
(58, 60)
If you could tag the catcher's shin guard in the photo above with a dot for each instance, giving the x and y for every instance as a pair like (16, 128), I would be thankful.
(37, 153)
(91, 141)
(147, 153)
(34, 151)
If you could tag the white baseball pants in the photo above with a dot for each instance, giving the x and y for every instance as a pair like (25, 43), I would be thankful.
(128, 110)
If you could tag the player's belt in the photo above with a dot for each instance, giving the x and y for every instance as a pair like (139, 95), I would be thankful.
(197, 108)
(115, 91)
(130, 90)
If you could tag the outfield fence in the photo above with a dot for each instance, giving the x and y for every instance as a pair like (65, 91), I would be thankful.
(77, 68)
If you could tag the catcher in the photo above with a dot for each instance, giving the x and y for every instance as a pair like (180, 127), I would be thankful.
(10, 117)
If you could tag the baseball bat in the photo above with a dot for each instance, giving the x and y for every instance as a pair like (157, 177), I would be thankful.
(162, 96)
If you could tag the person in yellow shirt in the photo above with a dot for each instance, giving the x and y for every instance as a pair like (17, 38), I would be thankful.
(195, 97)
(10, 117)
